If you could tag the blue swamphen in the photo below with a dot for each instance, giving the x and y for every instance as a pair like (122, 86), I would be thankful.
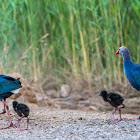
(23, 111)
(8, 87)
(114, 100)
(132, 70)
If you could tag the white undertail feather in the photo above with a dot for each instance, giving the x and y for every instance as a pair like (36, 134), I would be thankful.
(16, 91)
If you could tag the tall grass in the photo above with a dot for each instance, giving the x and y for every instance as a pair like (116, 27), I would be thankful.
(69, 40)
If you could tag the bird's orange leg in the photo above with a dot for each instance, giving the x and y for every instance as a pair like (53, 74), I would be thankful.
(18, 123)
(123, 106)
(4, 110)
(112, 116)
(27, 122)
(10, 122)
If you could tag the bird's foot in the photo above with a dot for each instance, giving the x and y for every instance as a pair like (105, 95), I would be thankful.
(14, 125)
(19, 119)
(24, 129)
(4, 111)
(11, 125)
(121, 119)
(114, 121)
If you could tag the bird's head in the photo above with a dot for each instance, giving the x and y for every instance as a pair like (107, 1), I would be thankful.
(15, 103)
(103, 93)
(121, 50)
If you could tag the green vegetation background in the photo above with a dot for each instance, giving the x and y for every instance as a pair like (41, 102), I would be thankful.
(68, 41)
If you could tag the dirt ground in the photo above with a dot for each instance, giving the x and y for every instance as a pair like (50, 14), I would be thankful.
(81, 115)
(56, 124)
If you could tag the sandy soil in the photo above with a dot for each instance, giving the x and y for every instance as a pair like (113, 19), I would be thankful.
(54, 124)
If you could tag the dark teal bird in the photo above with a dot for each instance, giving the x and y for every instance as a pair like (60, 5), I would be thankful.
(132, 70)
(8, 87)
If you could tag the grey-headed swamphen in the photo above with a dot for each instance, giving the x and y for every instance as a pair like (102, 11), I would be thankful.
(8, 87)
(132, 70)
(23, 111)
(115, 100)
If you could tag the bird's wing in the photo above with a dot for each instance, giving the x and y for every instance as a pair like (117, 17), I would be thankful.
(136, 73)
(8, 84)
(23, 108)
(113, 97)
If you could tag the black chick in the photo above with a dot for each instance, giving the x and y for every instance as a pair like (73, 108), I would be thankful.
(23, 111)
(114, 100)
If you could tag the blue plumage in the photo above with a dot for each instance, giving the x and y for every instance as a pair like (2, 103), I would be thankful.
(8, 84)
(131, 69)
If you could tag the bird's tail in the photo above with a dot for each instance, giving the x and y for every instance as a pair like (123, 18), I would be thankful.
(19, 81)
(122, 99)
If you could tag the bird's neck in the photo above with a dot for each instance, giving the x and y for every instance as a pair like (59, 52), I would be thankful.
(127, 64)
(126, 56)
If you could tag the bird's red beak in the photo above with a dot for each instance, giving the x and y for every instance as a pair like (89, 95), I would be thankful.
(117, 52)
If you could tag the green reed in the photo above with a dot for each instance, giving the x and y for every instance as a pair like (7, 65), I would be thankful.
(71, 41)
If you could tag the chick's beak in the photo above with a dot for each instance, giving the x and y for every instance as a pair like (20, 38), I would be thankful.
(117, 52)
(99, 94)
